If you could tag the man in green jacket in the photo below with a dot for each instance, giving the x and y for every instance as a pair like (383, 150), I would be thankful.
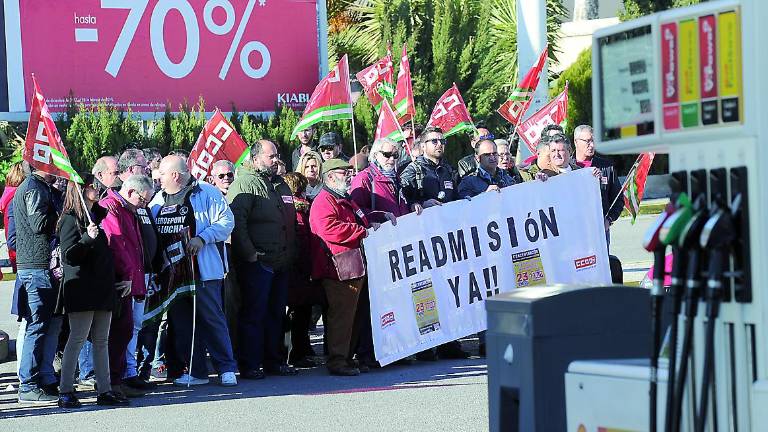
(262, 245)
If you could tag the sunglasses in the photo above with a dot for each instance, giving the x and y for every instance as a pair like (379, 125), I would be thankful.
(327, 148)
(226, 175)
(388, 155)
(436, 141)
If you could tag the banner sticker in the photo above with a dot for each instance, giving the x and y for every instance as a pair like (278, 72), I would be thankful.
(425, 306)
(529, 270)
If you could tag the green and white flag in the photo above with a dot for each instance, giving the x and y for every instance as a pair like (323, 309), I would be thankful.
(331, 100)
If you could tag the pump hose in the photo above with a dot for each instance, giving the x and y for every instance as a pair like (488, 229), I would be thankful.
(656, 302)
(709, 364)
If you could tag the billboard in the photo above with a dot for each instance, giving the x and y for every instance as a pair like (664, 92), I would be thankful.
(257, 54)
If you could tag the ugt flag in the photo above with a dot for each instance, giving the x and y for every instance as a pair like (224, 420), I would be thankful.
(331, 100)
(217, 141)
(555, 112)
(43, 149)
(387, 127)
(634, 185)
(403, 103)
(376, 80)
(451, 114)
(515, 107)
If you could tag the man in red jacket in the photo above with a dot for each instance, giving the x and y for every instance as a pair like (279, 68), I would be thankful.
(124, 238)
(338, 225)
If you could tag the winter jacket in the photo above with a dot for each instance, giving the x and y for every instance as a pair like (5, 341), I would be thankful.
(89, 269)
(376, 193)
(423, 180)
(477, 183)
(6, 208)
(265, 218)
(337, 225)
(35, 217)
(301, 289)
(467, 166)
(124, 238)
(213, 224)
(610, 187)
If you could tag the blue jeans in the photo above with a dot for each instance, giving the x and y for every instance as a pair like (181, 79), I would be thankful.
(42, 333)
(264, 296)
(85, 360)
(210, 333)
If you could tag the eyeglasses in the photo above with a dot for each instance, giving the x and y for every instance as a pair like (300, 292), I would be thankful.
(142, 200)
(391, 154)
(591, 140)
(327, 148)
(229, 175)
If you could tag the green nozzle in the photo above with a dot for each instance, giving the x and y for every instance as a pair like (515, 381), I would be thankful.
(674, 225)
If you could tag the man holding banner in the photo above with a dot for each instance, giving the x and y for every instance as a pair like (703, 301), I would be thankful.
(185, 203)
(429, 181)
(610, 187)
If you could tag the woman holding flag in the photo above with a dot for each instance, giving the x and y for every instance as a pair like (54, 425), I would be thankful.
(87, 293)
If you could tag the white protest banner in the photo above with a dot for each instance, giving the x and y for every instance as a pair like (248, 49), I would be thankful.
(429, 275)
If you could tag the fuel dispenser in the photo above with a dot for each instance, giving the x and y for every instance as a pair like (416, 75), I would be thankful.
(688, 82)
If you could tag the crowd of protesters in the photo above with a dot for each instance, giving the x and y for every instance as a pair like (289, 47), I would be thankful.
(272, 251)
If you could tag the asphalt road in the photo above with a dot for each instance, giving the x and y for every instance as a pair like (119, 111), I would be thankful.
(440, 395)
(443, 395)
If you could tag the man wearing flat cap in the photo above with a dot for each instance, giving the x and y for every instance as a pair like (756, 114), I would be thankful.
(338, 228)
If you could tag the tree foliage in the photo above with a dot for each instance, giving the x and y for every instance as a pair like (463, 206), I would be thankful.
(579, 79)
(637, 8)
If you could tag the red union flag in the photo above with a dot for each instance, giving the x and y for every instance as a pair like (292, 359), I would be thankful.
(450, 113)
(43, 149)
(217, 141)
(405, 108)
(331, 100)
(514, 108)
(376, 80)
(555, 112)
(634, 185)
(388, 127)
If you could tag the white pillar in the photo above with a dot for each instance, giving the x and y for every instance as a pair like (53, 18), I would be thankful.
(531, 38)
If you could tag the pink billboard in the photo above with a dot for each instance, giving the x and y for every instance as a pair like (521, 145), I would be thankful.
(257, 54)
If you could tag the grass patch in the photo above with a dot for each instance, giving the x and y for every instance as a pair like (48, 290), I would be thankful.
(647, 209)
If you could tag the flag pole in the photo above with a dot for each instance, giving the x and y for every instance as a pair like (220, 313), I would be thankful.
(82, 201)
(194, 315)
(352, 119)
(626, 182)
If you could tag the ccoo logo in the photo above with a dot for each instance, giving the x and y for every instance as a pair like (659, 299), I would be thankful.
(586, 262)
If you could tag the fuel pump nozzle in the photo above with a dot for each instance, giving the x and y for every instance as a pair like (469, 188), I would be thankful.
(669, 234)
(717, 236)
(688, 241)
(652, 243)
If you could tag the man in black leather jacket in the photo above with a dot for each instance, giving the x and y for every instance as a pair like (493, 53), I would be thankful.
(609, 180)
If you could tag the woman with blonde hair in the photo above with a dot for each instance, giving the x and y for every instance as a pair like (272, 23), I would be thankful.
(309, 166)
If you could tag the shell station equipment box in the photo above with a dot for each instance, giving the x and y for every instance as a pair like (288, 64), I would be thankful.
(691, 82)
